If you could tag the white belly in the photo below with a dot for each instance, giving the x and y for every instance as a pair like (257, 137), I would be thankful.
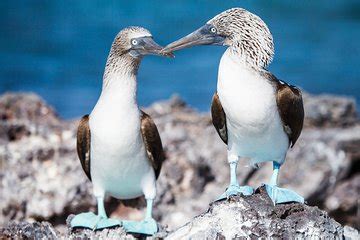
(254, 125)
(119, 163)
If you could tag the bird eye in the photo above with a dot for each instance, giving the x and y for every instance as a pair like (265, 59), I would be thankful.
(134, 42)
(213, 30)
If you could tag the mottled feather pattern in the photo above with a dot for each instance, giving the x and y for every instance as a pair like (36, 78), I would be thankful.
(248, 36)
(117, 56)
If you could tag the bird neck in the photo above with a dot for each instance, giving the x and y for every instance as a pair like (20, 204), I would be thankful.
(120, 78)
(239, 60)
(246, 54)
(119, 65)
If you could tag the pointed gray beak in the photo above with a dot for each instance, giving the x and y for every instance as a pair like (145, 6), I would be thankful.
(151, 47)
(201, 36)
(147, 45)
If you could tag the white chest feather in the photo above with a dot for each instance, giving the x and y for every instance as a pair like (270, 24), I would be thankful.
(248, 98)
(251, 111)
(119, 162)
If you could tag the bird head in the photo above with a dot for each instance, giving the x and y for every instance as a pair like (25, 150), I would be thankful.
(243, 32)
(136, 42)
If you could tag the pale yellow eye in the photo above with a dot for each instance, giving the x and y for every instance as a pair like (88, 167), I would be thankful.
(134, 42)
(213, 30)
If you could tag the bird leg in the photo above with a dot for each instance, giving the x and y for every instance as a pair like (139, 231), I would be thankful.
(93, 221)
(280, 195)
(101, 207)
(275, 175)
(234, 188)
(148, 226)
(149, 207)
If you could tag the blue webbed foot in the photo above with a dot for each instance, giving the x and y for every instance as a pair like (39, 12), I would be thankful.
(147, 226)
(236, 189)
(282, 195)
(93, 221)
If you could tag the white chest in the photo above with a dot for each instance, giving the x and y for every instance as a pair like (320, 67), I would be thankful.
(247, 98)
(254, 126)
(119, 162)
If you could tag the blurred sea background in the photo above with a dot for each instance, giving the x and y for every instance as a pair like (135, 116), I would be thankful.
(58, 49)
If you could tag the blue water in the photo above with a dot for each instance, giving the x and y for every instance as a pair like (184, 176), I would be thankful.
(58, 48)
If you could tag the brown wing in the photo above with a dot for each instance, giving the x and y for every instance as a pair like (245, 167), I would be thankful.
(152, 142)
(219, 118)
(291, 109)
(83, 144)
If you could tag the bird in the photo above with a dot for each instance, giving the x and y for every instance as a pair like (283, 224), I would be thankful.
(118, 145)
(255, 114)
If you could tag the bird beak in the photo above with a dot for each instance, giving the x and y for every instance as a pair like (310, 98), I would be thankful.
(151, 47)
(201, 36)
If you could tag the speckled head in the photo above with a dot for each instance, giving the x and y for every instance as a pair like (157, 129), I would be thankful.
(135, 41)
(127, 50)
(245, 33)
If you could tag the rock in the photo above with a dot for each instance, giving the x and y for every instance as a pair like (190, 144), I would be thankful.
(346, 209)
(255, 217)
(41, 177)
(350, 233)
(252, 217)
(25, 114)
(329, 110)
(25, 230)
(39, 171)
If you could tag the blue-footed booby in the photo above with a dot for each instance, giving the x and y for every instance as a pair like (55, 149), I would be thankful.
(257, 115)
(118, 145)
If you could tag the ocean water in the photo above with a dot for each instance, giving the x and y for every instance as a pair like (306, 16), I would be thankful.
(58, 48)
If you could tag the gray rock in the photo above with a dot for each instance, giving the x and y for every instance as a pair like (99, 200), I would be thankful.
(255, 217)
(329, 110)
(41, 178)
(252, 217)
(346, 209)
(351, 233)
(25, 230)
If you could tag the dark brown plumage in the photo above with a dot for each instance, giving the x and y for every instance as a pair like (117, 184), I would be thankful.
(219, 118)
(83, 144)
(290, 105)
(152, 142)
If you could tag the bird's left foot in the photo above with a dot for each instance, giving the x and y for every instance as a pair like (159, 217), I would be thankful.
(147, 226)
(93, 221)
(282, 195)
(235, 189)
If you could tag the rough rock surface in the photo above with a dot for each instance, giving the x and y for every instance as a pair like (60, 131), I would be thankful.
(252, 217)
(255, 217)
(41, 178)
(329, 110)
(25, 230)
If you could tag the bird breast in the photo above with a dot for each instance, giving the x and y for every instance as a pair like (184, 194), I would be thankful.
(247, 98)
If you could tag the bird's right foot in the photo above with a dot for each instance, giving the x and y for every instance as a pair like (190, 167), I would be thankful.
(93, 221)
(233, 190)
(147, 226)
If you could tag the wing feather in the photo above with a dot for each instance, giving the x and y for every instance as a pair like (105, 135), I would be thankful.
(83, 144)
(219, 118)
(152, 142)
(291, 109)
